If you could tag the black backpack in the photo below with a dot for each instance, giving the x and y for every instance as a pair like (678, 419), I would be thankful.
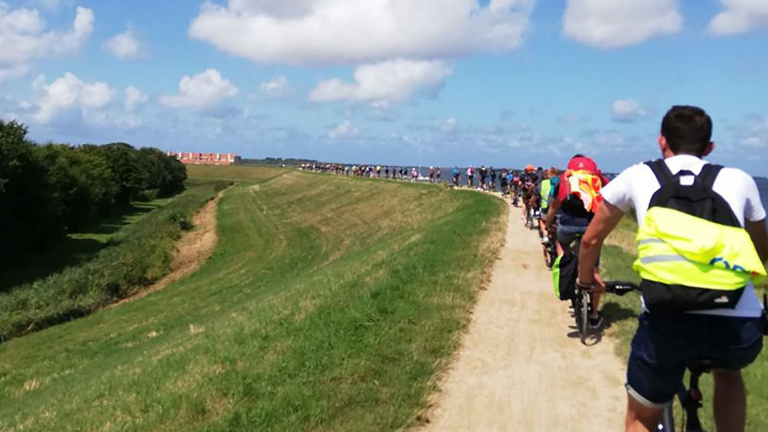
(700, 200)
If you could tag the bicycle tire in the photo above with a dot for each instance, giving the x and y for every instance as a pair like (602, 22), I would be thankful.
(584, 312)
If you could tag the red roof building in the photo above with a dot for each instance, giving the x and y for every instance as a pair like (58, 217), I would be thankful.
(205, 158)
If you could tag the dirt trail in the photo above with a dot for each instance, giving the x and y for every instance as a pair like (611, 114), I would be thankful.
(192, 250)
(521, 367)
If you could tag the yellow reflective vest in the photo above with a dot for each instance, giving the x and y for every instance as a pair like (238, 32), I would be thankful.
(675, 248)
(546, 191)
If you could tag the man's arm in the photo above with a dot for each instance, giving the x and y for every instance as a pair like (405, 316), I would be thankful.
(606, 219)
(759, 235)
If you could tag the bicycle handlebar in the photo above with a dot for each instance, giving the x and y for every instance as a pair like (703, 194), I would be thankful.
(621, 287)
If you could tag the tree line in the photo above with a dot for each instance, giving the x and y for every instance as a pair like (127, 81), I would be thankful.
(49, 190)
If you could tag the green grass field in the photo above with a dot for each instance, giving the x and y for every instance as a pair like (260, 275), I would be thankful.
(236, 172)
(621, 313)
(329, 304)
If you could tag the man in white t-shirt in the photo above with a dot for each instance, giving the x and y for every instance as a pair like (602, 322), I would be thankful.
(665, 342)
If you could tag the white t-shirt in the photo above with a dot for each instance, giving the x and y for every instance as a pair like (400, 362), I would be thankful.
(634, 188)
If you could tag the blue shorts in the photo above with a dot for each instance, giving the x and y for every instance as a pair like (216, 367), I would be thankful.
(664, 344)
(567, 235)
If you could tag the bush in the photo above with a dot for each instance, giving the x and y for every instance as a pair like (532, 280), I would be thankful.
(147, 195)
(82, 185)
(140, 256)
(29, 216)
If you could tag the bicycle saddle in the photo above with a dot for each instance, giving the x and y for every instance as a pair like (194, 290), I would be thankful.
(701, 366)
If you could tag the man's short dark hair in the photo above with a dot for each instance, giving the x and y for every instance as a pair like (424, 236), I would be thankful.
(688, 130)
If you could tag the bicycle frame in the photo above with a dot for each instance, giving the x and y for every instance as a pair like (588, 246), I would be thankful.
(690, 400)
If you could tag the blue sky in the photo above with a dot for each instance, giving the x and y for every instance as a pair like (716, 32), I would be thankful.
(443, 82)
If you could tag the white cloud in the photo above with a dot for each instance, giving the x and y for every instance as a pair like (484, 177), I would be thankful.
(278, 88)
(134, 99)
(389, 81)
(740, 16)
(620, 23)
(754, 134)
(343, 130)
(23, 38)
(67, 96)
(574, 119)
(354, 31)
(627, 111)
(96, 95)
(126, 46)
(201, 92)
(448, 125)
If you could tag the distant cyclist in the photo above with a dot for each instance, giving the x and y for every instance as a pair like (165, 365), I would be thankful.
(492, 174)
(483, 176)
(702, 239)
(455, 175)
(577, 198)
(504, 181)
(515, 184)
(470, 177)
(546, 190)
(528, 181)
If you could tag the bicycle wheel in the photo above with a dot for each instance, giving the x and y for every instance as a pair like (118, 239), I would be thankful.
(584, 313)
(577, 306)
(552, 252)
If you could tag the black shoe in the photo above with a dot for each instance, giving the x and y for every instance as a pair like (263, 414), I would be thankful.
(596, 322)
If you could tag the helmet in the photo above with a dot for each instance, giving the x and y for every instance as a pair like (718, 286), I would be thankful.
(530, 168)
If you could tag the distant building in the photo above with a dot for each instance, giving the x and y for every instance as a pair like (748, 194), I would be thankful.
(205, 158)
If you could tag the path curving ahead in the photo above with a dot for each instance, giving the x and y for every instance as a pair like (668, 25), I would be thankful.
(521, 366)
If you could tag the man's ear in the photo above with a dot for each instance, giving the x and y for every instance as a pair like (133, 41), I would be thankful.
(709, 149)
(663, 146)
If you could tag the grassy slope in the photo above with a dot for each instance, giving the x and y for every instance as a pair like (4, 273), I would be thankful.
(329, 304)
(621, 315)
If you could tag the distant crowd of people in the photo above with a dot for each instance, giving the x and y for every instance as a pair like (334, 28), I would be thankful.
(376, 171)
(483, 178)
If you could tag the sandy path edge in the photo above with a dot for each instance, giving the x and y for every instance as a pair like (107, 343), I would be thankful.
(192, 250)
(520, 366)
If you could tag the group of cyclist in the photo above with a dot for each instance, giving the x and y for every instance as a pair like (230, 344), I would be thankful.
(702, 245)
(561, 204)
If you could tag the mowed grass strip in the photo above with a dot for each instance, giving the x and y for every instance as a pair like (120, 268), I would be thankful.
(234, 172)
(621, 319)
(329, 304)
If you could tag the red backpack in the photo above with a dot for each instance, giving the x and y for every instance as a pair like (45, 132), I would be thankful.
(580, 187)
